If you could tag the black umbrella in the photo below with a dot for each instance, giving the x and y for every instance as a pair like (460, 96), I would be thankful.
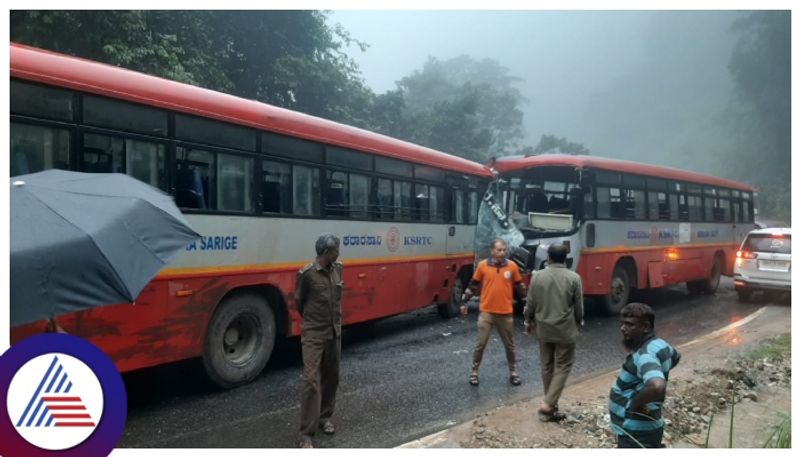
(80, 240)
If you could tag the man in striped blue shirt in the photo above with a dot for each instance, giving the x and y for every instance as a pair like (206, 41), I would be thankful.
(635, 400)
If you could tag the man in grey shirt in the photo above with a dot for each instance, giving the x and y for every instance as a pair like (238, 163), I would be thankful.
(554, 307)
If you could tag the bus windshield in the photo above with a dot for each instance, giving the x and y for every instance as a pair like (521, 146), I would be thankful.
(544, 199)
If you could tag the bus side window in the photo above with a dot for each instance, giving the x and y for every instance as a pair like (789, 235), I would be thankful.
(421, 202)
(35, 148)
(189, 193)
(305, 194)
(336, 196)
(196, 178)
(275, 187)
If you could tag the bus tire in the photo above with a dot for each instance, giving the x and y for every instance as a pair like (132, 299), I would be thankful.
(239, 340)
(451, 308)
(710, 284)
(618, 293)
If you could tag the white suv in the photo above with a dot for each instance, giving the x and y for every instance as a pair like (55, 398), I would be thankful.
(764, 262)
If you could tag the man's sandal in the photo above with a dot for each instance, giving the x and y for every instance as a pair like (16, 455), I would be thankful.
(473, 379)
(551, 416)
(327, 428)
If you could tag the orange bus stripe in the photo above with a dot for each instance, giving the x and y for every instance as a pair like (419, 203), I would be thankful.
(274, 267)
(654, 247)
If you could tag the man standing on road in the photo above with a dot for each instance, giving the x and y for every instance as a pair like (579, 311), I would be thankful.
(318, 294)
(498, 280)
(554, 307)
(636, 397)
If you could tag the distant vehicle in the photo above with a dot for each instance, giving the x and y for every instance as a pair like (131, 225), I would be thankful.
(764, 262)
(628, 225)
(260, 183)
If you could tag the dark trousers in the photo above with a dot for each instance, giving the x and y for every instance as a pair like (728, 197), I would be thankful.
(320, 380)
(556, 360)
(650, 439)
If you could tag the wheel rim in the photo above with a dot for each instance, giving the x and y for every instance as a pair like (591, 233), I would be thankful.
(617, 292)
(458, 290)
(240, 340)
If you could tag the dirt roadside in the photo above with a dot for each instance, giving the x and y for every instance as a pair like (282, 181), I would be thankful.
(738, 364)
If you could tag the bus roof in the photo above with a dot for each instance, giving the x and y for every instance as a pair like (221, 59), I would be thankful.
(513, 163)
(52, 68)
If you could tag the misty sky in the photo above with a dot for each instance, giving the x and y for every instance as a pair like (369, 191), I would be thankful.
(623, 83)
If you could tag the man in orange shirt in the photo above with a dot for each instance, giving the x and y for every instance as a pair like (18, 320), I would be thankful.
(499, 280)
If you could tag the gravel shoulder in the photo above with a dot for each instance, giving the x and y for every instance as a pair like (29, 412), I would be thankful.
(747, 364)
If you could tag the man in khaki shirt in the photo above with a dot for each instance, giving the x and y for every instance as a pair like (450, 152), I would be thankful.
(554, 307)
(318, 294)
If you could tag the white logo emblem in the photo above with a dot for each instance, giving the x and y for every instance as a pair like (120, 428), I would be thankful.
(507, 275)
(55, 401)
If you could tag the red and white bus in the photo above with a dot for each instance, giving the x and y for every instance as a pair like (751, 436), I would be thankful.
(628, 225)
(260, 183)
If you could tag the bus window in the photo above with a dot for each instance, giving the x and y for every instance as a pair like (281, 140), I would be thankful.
(385, 209)
(393, 167)
(673, 208)
(305, 190)
(536, 201)
(634, 204)
(402, 200)
(275, 187)
(437, 204)
(347, 158)
(747, 211)
(235, 183)
(102, 154)
(654, 200)
(337, 196)
(106, 112)
(609, 203)
(146, 162)
(458, 206)
(710, 204)
(209, 131)
(358, 202)
(472, 207)
(294, 148)
(695, 208)
(421, 210)
(722, 213)
(40, 101)
(35, 148)
(195, 180)
(683, 208)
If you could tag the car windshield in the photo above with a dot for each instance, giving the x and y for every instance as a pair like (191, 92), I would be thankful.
(769, 243)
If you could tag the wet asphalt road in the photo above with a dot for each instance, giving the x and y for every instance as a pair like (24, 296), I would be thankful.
(404, 378)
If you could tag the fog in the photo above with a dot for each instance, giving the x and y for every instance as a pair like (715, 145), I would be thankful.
(644, 85)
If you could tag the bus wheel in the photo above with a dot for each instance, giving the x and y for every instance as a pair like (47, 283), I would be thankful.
(451, 308)
(710, 284)
(618, 293)
(239, 340)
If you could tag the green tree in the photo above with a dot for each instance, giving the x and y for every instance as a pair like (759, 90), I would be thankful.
(291, 59)
(462, 106)
(551, 144)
